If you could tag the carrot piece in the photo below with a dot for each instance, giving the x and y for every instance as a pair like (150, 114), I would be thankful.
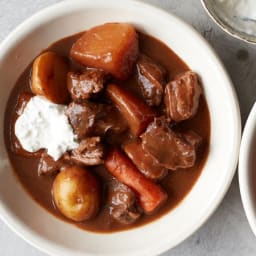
(135, 111)
(151, 196)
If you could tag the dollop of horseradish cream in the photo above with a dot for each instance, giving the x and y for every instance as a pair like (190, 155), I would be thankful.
(44, 125)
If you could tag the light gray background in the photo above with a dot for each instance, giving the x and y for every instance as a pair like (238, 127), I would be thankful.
(227, 232)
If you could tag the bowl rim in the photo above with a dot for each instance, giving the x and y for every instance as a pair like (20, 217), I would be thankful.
(226, 27)
(243, 167)
(237, 118)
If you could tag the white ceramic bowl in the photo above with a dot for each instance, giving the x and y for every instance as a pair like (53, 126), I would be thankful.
(247, 169)
(56, 237)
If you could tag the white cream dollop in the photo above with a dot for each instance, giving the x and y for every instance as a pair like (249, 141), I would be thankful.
(44, 124)
(241, 14)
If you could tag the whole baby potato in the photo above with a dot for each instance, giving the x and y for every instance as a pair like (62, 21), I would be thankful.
(76, 193)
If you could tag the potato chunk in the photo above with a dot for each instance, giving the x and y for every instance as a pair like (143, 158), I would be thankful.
(49, 75)
(76, 193)
(112, 47)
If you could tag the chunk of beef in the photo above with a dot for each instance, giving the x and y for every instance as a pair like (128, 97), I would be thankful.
(122, 203)
(91, 119)
(86, 84)
(193, 138)
(89, 152)
(150, 79)
(172, 150)
(47, 165)
(82, 117)
(144, 161)
(112, 121)
(182, 96)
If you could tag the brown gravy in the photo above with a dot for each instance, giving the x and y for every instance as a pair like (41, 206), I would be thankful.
(177, 183)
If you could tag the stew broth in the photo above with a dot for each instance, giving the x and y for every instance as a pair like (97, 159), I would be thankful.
(177, 184)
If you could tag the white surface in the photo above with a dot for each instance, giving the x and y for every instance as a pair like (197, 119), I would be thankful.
(44, 125)
(247, 169)
(227, 231)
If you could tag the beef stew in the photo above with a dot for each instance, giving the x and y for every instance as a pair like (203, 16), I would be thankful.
(108, 110)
